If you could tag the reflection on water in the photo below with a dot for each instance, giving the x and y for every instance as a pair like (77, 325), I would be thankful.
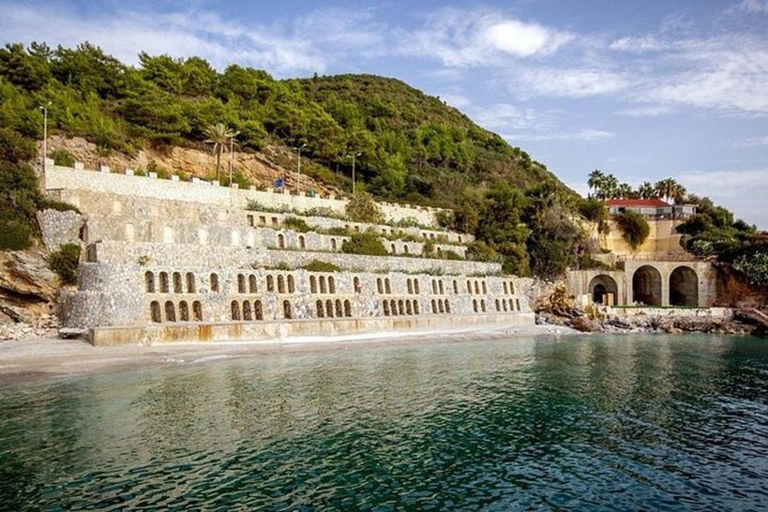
(644, 422)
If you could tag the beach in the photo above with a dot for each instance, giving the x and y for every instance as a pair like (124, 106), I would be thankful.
(69, 357)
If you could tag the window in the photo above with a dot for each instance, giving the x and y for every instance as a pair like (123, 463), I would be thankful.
(235, 310)
(184, 311)
(416, 286)
(434, 287)
(505, 289)
(250, 220)
(190, 282)
(247, 314)
(477, 288)
(347, 308)
(405, 249)
(339, 308)
(455, 287)
(482, 305)
(270, 283)
(287, 313)
(409, 284)
(329, 308)
(485, 288)
(258, 311)
(176, 282)
(240, 283)
(387, 286)
(518, 304)
(440, 284)
(498, 304)
(447, 306)
(393, 307)
(331, 285)
(252, 288)
(333, 244)
(197, 311)
(511, 288)
(358, 287)
(164, 282)
(320, 309)
(281, 241)
(291, 285)
(154, 309)
(469, 287)
(302, 242)
(441, 306)
(312, 284)
(379, 285)
(504, 303)
(392, 249)
(280, 284)
(170, 312)
(416, 307)
(434, 306)
(214, 283)
(323, 289)
(149, 282)
(408, 307)
(474, 305)
(386, 308)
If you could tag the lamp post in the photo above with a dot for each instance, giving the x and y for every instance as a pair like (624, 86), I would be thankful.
(44, 108)
(298, 181)
(232, 156)
(353, 157)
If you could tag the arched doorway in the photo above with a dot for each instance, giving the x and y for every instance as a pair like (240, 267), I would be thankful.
(602, 285)
(683, 287)
(646, 286)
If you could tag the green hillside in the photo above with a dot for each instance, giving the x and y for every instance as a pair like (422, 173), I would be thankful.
(412, 147)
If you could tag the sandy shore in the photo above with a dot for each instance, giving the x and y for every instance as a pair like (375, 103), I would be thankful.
(57, 357)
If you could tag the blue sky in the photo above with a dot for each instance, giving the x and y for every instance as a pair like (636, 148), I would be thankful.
(644, 90)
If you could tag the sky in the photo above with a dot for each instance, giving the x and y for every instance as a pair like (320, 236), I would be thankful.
(643, 90)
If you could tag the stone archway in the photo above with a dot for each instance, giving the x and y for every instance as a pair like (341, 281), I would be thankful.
(684, 287)
(602, 285)
(646, 286)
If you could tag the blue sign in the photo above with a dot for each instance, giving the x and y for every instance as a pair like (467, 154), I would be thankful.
(279, 183)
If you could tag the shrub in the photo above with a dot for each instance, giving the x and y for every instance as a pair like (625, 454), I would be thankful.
(448, 255)
(15, 234)
(296, 224)
(255, 206)
(754, 267)
(593, 210)
(321, 266)
(65, 262)
(62, 157)
(634, 228)
(62, 206)
(364, 243)
(338, 231)
(445, 219)
(362, 208)
(481, 251)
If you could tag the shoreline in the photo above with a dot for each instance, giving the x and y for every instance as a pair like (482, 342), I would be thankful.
(54, 357)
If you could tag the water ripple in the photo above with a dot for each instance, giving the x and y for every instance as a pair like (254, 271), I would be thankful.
(641, 422)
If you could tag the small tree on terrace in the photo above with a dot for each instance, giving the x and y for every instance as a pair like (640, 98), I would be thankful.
(362, 208)
(634, 228)
(219, 135)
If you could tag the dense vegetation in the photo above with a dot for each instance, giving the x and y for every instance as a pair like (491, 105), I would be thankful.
(407, 146)
(634, 228)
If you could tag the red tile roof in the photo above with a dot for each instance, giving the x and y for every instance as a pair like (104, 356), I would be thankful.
(637, 202)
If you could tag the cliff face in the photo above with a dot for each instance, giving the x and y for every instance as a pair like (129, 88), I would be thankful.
(28, 291)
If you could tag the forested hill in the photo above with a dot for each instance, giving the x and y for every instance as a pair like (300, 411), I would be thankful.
(412, 147)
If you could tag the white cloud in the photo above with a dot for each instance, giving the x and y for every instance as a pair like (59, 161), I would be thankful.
(744, 194)
(637, 44)
(455, 100)
(751, 142)
(461, 37)
(282, 49)
(646, 111)
(568, 83)
(505, 116)
(750, 6)
(585, 135)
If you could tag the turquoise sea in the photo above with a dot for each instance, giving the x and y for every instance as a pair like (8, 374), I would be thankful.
(632, 422)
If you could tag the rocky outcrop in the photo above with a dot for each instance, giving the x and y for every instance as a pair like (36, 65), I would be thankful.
(28, 288)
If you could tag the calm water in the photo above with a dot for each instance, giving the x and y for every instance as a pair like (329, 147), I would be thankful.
(644, 422)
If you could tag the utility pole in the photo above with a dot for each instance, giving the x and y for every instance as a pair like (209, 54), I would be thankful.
(298, 181)
(353, 157)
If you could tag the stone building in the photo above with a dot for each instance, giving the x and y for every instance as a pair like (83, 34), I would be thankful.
(168, 260)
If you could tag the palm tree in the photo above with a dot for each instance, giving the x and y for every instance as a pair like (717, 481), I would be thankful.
(624, 191)
(646, 191)
(595, 180)
(666, 188)
(219, 135)
(609, 188)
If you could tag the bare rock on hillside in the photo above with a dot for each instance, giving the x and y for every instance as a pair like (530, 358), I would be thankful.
(28, 288)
